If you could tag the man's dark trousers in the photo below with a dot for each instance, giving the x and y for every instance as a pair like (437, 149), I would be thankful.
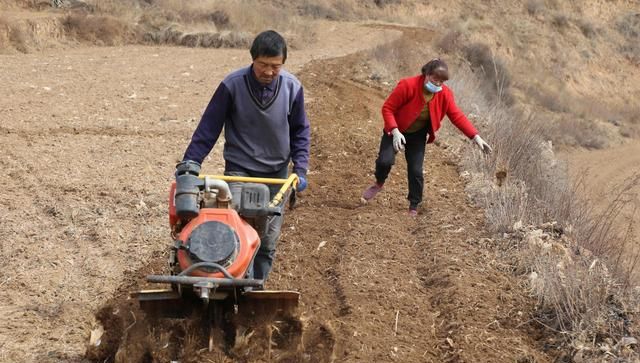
(263, 261)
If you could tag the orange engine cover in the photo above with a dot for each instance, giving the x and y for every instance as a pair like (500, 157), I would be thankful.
(249, 241)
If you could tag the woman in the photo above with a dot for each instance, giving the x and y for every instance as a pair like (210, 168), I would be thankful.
(412, 115)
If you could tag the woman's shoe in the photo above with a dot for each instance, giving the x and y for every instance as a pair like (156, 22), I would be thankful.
(371, 192)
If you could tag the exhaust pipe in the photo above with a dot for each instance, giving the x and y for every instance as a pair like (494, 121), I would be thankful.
(224, 193)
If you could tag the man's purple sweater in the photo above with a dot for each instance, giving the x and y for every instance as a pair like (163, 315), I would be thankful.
(265, 125)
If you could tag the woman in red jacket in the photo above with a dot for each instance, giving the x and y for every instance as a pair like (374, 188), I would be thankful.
(412, 115)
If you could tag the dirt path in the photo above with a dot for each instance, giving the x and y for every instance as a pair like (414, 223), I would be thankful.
(89, 139)
(381, 288)
(433, 274)
(604, 173)
(606, 169)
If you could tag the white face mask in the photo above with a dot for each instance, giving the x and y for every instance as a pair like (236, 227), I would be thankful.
(430, 87)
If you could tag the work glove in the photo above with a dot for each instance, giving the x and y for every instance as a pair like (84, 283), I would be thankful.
(398, 140)
(302, 182)
(188, 167)
(482, 144)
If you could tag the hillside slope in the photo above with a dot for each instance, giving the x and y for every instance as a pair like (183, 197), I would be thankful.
(89, 213)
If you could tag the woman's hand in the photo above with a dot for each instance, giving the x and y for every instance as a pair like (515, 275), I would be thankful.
(398, 140)
(482, 144)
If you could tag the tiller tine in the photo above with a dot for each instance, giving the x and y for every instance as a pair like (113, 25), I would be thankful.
(165, 303)
(270, 303)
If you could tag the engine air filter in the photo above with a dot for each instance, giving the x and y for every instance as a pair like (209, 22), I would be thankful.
(213, 242)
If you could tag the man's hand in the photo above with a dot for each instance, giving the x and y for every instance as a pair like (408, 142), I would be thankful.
(398, 140)
(482, 144)
(302, 183)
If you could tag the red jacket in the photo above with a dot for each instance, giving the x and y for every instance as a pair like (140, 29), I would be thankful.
(405, 103)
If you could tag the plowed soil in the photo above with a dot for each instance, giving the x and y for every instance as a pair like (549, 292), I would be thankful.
(89, 140)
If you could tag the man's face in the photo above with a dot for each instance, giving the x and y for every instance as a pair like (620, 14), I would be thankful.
(266, 69)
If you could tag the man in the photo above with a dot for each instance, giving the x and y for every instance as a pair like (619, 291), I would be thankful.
(261, 108)
(412, 114)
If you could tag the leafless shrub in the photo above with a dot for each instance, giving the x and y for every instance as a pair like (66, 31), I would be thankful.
(534, 189)
(587, 28)
(27, 4)
(77, 6)
(469, 91)
(394, 59)
(571, 131)
(629, 26)
(158, 21)
(582, 277)
(383, 3)
(535, 7)
(449, 42)
(12, 35)
(534, 186)
(235, 39)
(509, 205)
(553, 101)
(602, 235)
(190, 40)
(493, 69)
(211, 40)
(220, 18)
(560, 21)
(102, 30)
(631, 51)
(166, 35)
(224, 23)
(318, 10)
(348, 10)
(122, 9)
(174, 36)
(580, 282)
(40, 5)
(579, 299)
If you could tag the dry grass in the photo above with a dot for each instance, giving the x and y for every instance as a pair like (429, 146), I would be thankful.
(393, 60)
(578, 300)
(450, 42)
(206, 23)
(584, 292)
(535, 7)
(560, 21)
(319, 10)
(586, 300)
(587, 28)
(26, 4)
(575, 132)
(600, 233)
(629, 27)
(583, 267)
(259, 16)
(12, 36)
(492, 69)
(101, 30)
